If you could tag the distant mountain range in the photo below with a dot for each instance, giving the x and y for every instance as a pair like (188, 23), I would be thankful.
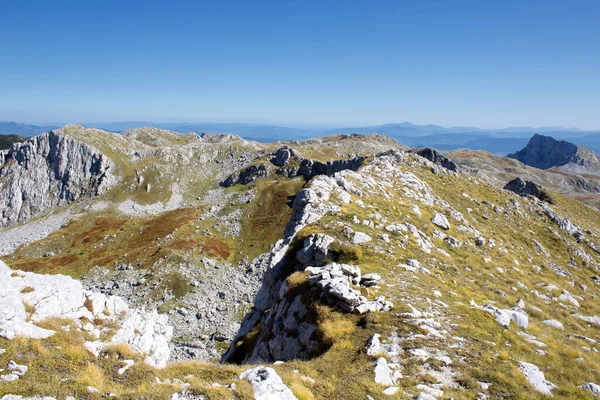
(498, 141)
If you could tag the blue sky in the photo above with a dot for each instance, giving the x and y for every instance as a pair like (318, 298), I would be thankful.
(345, 63)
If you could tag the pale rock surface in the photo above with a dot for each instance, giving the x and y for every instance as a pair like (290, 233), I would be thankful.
(554, 324)
(505, 316)
(315, 250)
(267, 385)
(440, 220)
(360, 237)
(536, 378)
(374, 345)
(64, 297)
(594, 320)
(392, 390)
(566, 297)
(383, 373)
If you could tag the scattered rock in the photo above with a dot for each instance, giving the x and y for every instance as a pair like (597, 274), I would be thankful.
(536, 378)
(437, 158)
(504, 317)
(592, 388)
(383, 373)
(595, 320)
(529, 188)
(440, 220)
(360, 237)
(554, 324)
(267, 385)
(247, 175)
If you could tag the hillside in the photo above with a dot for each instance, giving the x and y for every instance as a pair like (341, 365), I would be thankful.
(343, 267)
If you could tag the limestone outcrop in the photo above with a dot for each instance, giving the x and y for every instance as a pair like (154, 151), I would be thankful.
(50, 170)
(60, 296)
(528, 188)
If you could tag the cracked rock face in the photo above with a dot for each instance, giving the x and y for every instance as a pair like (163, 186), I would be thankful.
(315, 249)
(50, 170)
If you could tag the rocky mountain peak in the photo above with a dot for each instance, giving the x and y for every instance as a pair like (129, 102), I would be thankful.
(546, 152)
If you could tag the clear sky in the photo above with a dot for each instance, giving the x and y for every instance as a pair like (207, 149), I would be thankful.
(479, 63)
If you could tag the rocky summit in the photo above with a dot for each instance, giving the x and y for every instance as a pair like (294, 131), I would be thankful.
(546, 152)
(156, 265)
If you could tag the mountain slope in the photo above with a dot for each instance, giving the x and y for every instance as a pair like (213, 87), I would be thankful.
(392, 276)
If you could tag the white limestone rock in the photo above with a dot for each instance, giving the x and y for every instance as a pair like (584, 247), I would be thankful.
(505, 316)
(536, 378)
(147, 332)
(554, 324)
(374, 345)
(315, 249)
(267, 385)
(566, 297)
(592, 388)
(64, 297)
(594, 320)
(440, 220)
(390, 391)
(50, 170)
(360, 237)
(383, 373)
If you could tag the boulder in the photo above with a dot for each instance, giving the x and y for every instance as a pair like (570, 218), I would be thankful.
(594, 320)
(554, 324)
(536, 378)
(437, 158)
(369, 280)
(374, 345)
(504, 317)
(592, 388)
(283, 155)
(440, 220)
(528, 188)
(267, 385)
(383, 373)
(360, 237)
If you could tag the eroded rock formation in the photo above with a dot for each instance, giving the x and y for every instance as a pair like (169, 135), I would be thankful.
(47, 171)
